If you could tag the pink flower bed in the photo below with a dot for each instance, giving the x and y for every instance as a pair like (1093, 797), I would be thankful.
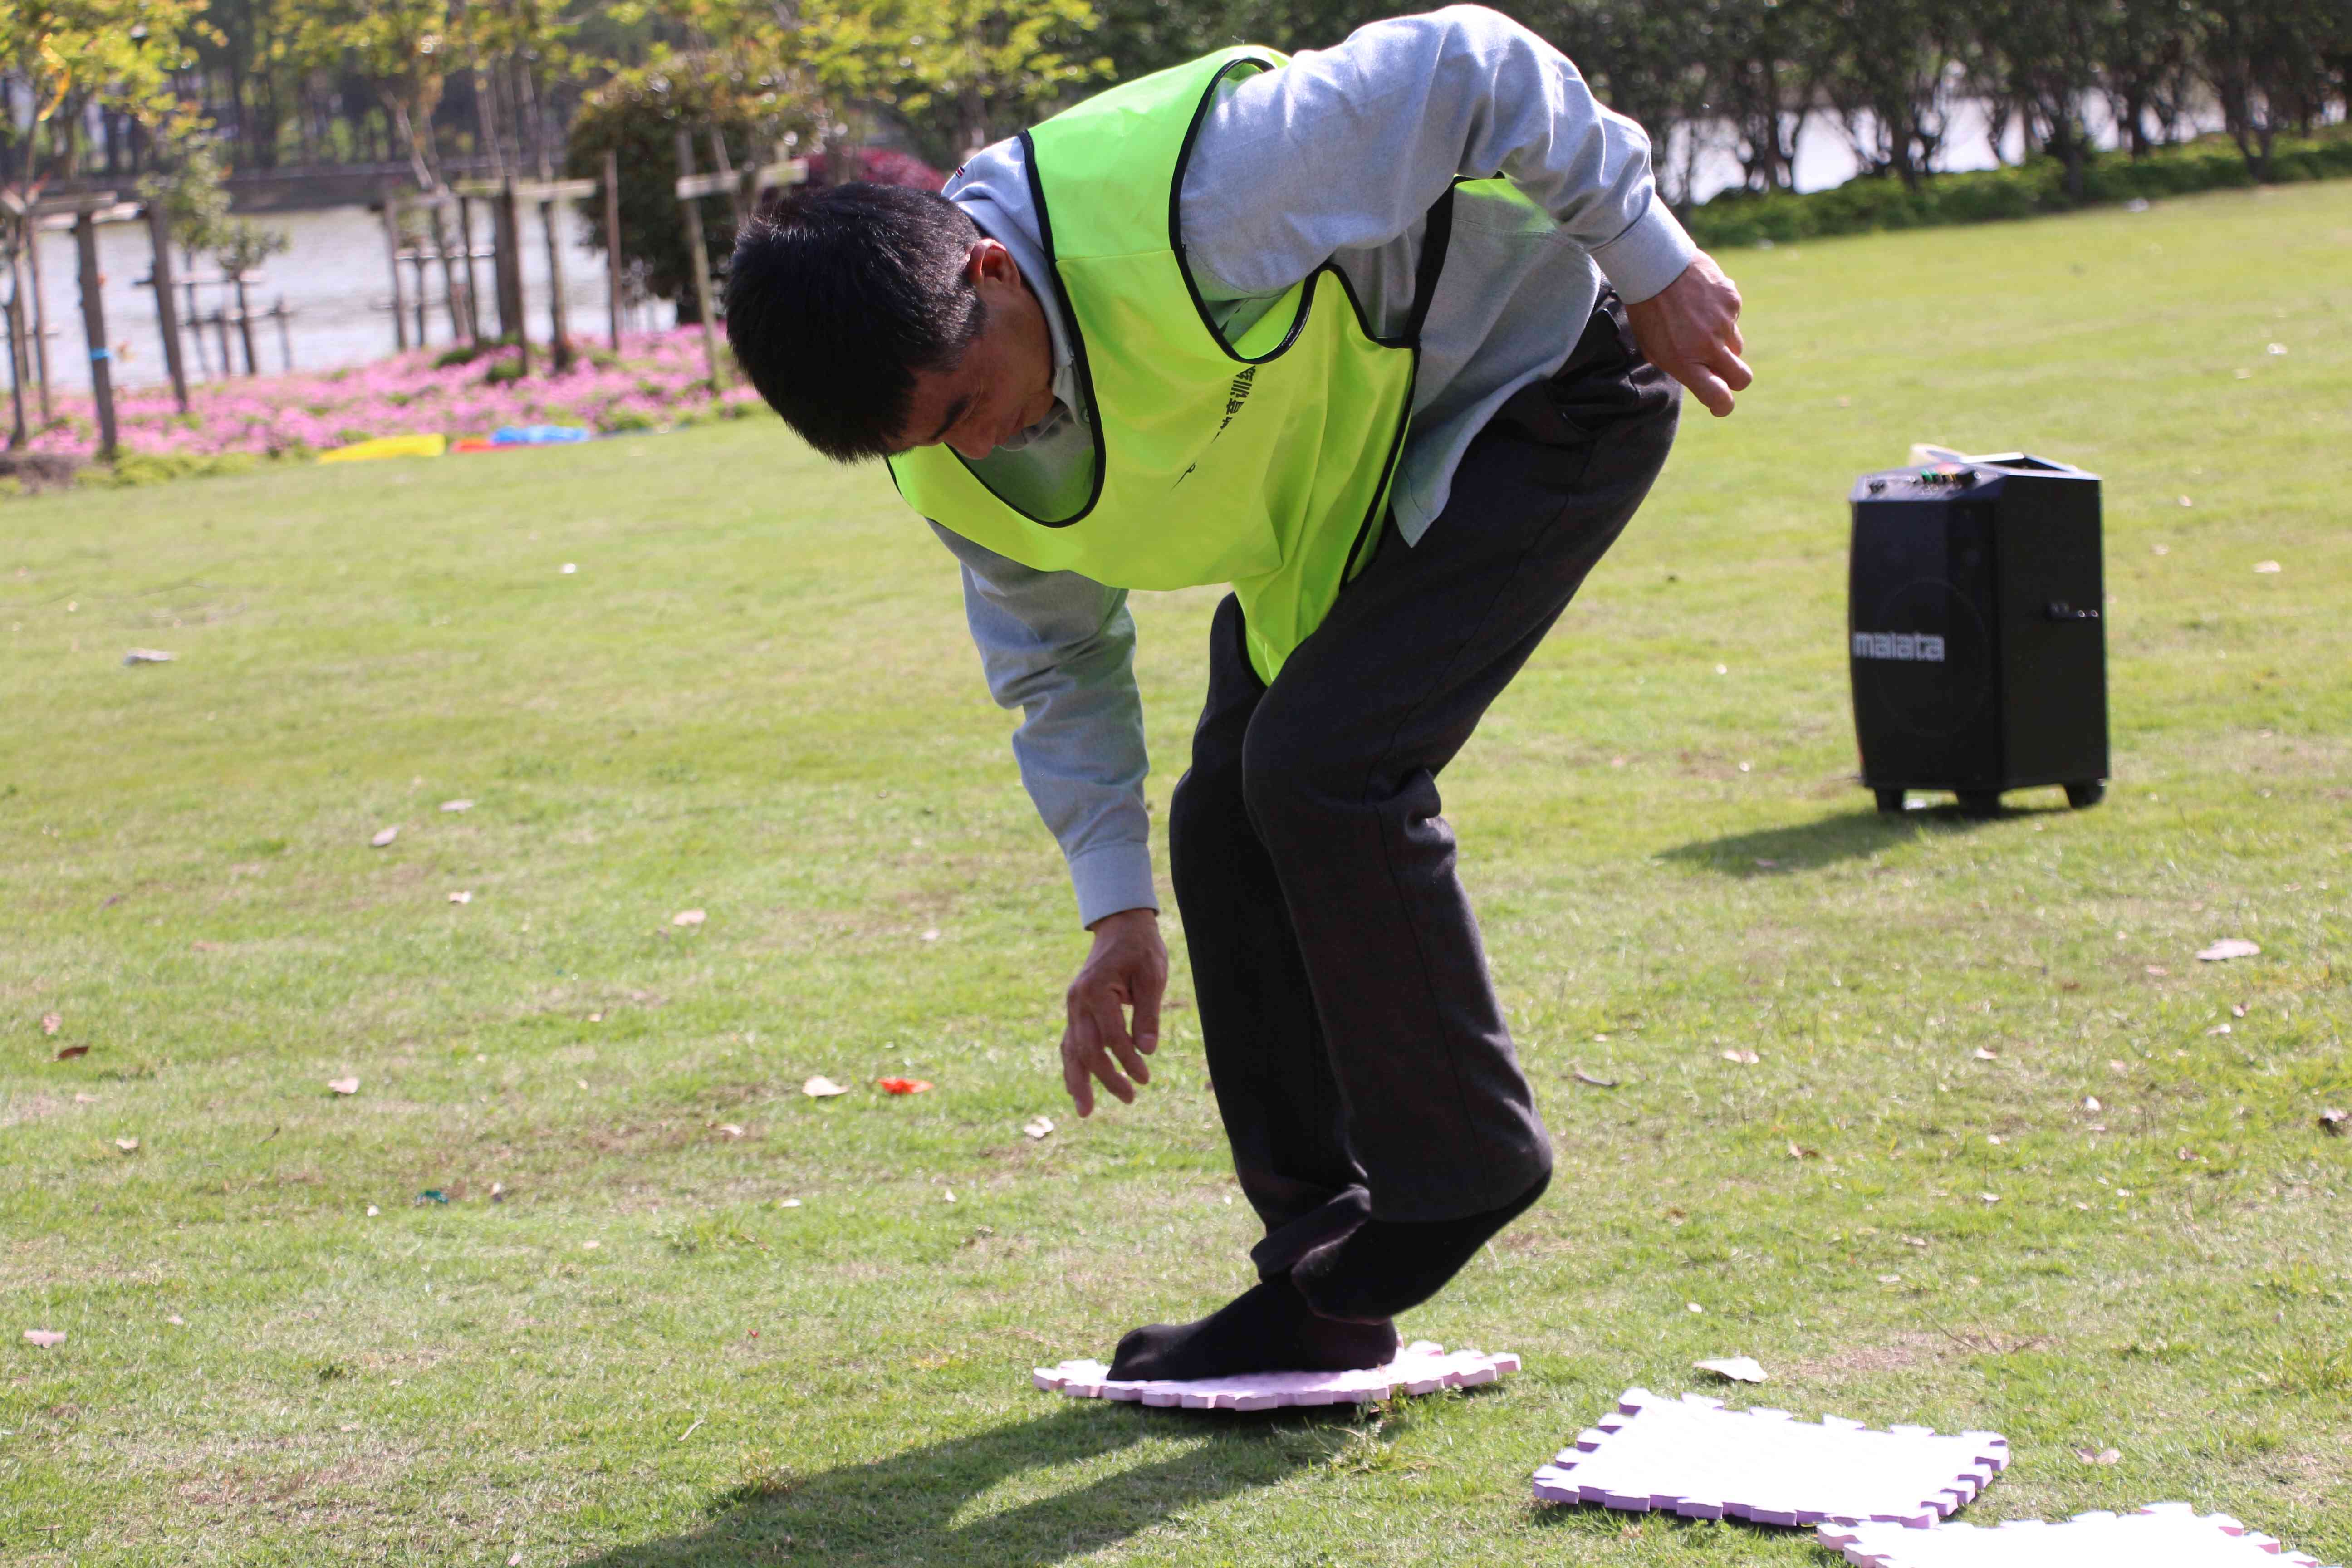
(656, 381)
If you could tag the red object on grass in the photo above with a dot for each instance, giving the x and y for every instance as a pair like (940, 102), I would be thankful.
(902, 1085)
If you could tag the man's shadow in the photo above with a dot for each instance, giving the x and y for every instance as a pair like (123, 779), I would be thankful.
(1848, 835)
(912, 1506)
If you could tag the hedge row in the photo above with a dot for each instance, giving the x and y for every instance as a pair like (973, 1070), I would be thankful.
(2029, 190)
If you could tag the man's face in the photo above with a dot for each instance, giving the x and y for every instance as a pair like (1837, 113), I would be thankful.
(1003, 383)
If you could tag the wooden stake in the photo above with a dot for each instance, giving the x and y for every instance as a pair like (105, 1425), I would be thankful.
(613, 244)
(700, 255)
(19, 364)
(40, 315)
(93, 323)
(472, 296)
(391, 254)
(167, 309)
(559, 319)
(512, 317)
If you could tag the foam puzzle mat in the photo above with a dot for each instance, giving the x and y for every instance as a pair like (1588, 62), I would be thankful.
(2161, 1535)
(1692, 1457)
(1419, 1368)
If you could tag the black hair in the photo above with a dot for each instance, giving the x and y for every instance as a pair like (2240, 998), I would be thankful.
(838, 296)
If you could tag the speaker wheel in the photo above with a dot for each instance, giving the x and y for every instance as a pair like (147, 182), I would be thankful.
(2087, 793)
(1890, 801)
(1980, 803)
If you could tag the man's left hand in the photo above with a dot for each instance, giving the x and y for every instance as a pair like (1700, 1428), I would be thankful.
(1691, 331)
(1128, 969)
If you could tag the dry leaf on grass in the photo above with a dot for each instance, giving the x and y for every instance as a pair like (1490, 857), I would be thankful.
(148, 656)
(52, 1022)
(71, 1052)
(1038, 1126)
(384, 837)
(1738, 1368)
(788, 1203)
(344, 1085)
(932, 934)
(128, 1145)
(728, 1129)
(2098, 1455)
(2091, 1102)
(462, 898)
(1989, 1198)
(44, 1338)
(80, 1099)
(1583, 1077)
(1745, 1059)
(1799, 1152)
(2266, 567)
(688, 918)
(2229, 947)
(823, 1088)
(2334, 1123)
(456, 806)
(2158, 971)
(1985, 1056)
(176, 1320)
(902, 1085)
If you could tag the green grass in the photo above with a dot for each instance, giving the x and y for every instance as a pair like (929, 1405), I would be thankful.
(755, 698)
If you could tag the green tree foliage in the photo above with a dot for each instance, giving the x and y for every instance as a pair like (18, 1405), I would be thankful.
(72, 54)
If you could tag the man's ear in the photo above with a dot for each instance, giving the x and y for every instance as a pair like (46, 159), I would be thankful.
(988, 259)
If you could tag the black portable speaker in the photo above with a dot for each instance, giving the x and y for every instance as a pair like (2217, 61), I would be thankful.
(1975, 631)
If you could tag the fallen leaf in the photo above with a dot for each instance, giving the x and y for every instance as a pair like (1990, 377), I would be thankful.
(2187, 1156)
(1746, 1058)
(2098, 1455)
(128, 1145)
(2162, 549)
(1990, 1197)
(823, 1088)
(2237, 1009)
(902, 1085)
(1761, 865)
(932, 934)
(44, 1338)
(344, 1085)
(176, 1320)
(569, 567)
(373, 1211)
(728, 1129)
(948, 1195)
(2334, 1123)
(1583, 1077)
(52, 1022)
(456, 806)
(788, 1203)
(2158, 971)
(1919, 1241)
(2091, 1102)
(2275, 348)
(1799, 1152)
(80, 1099)
(2186, 501)
(590, 1246)
(2219, 1029)
(71, 1052)
(688, 918)
(148, 656)
(462, 898)
(1692, 1307)
(498, 1192)
(384, 837)
(514, 1560)
(2266, 567)
(1992, 1138)
(595, 1017)
(1038, 1126)
(1738, 1368)
(1985, 1056)
(2229, 947)
(1890, 1279)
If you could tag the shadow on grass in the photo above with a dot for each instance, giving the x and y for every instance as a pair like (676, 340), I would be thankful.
(1848, 835)
(912, 1508)
(1736, 1540)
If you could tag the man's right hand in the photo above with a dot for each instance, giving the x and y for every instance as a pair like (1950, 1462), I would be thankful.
(1128, 969)
(1691, 331)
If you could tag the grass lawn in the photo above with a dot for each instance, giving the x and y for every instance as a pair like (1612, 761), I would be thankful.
(673, 1311)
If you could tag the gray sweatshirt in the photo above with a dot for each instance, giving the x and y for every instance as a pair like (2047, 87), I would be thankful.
(1335, 157)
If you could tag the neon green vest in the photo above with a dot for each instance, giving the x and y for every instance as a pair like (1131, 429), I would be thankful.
(1264, 464)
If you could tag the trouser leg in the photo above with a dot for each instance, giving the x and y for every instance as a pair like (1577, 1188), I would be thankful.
(1338, 768)
(1265, 1046)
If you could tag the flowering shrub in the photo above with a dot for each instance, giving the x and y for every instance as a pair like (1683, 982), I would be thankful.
(656, 382)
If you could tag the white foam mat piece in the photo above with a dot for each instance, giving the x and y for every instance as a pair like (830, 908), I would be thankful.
(1692, 1457)
(2161, 1535)
(1419, 1368)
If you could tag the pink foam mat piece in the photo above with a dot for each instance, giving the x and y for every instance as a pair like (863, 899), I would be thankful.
(2161, 1535)
(1692, 1457)
(1419, 1368)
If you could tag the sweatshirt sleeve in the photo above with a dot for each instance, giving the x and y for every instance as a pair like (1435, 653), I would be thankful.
(1061, 648)
(1348, 147)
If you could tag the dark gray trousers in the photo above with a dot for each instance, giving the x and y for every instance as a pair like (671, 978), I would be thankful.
(1359, 1056)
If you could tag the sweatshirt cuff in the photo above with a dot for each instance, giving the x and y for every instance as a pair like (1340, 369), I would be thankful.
(1648, 255)
(1111, 878)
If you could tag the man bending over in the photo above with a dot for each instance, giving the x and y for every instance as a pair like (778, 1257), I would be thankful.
(1385, 337)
